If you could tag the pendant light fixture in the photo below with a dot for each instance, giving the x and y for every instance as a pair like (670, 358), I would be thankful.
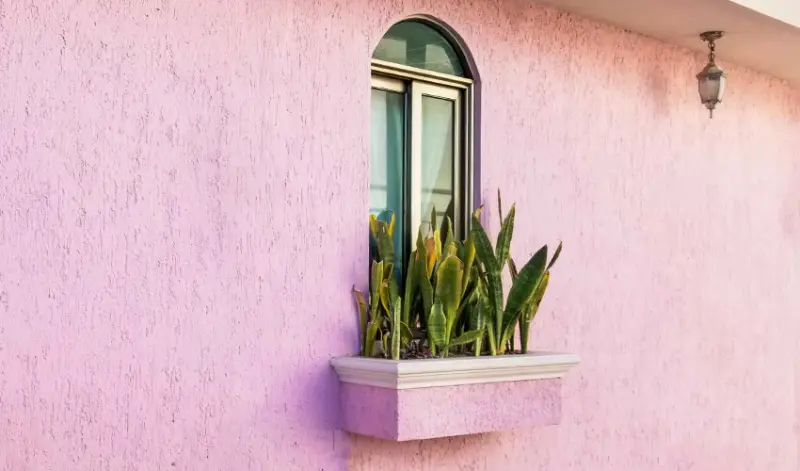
(711, 80)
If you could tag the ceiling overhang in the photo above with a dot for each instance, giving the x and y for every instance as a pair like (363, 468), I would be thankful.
(759, 34)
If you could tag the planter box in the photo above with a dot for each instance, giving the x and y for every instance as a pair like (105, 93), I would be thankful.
(418, 399)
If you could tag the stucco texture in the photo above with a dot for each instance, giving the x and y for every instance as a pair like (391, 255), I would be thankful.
(448, 411)
(183, 194)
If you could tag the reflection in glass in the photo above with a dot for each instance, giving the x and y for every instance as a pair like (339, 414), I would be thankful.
(386, 166)
(418, 45)
(437, 159)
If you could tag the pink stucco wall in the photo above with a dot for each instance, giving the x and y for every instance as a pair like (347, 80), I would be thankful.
(448, 411)
(183, 188)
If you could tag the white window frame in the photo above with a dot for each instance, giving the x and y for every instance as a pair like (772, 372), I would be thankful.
(416, 83)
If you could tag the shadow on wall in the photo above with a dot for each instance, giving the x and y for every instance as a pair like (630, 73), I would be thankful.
(487, 451)
(323, 383)
(313, 412)
(790, 212)
(657, 82)
(421, 454)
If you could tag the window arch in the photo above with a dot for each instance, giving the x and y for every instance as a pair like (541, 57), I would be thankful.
(422, 131)
(416, 44)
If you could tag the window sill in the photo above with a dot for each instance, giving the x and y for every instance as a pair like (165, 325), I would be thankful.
(422, 399)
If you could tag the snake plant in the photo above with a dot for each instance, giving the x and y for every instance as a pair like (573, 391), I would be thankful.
(532, 305)
(452, 293)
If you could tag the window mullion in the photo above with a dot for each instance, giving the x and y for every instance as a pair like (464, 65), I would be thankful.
(457, 170)
(415, 162)
(468, 160)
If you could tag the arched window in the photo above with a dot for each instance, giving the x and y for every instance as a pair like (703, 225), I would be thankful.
(421, 155)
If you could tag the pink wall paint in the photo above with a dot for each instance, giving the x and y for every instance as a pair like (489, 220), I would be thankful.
(448, 411)
(182, 202)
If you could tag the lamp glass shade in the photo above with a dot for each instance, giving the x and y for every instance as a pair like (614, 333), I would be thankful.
(722, 82)
(711, 84)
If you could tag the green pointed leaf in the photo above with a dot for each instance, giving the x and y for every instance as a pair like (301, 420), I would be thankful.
(362, 317)
(386, 346)
(436, 325)
(425, 288)
(499, 207)
(509, 324)
(385, 243)
(504, 237)
(494, 282)
(479, 280)
(483, 247)
(448, 231)
(376, 276)
(384, 293)
(476, 319)
(530, 311)
(449, 286)
(522, 289)
(477, 315)
(391, 226)
(468, 251)
(388, 270)
(369, 341)
(512, 267)
(421, 249)
(405, 334)
(479, 346)
(466, 338)
(492, 338)
(411, 283)
(373, 226)
(433, 255)
(555, 256)
(451, 249)
(538, 295)
(469, 294)
(396, 330)
(376, 280)
(394, 291)
(524, 334)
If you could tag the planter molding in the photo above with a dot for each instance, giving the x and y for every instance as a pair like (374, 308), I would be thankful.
(411, 374)
(418, 399)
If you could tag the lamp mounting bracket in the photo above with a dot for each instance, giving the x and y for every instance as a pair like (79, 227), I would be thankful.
(711, 36)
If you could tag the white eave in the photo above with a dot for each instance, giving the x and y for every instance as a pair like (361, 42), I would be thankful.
(760, 34)
(411, 374)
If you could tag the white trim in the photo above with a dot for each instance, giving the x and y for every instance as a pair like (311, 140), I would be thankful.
(381, 82)
(412, 374)
(418, 91)
(437, 91)
(413, 73)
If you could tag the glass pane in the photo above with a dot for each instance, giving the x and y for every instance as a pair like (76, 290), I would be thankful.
(437, 159)
(418, 45)
(386, 169)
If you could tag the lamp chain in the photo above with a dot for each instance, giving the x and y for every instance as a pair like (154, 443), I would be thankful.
(712, 53)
